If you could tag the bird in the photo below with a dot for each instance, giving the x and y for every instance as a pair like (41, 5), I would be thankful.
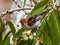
(32, 22)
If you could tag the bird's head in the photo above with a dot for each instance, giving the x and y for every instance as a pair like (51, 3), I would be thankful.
(23, 21)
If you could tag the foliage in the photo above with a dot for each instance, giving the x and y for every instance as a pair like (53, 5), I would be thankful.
(47, 34)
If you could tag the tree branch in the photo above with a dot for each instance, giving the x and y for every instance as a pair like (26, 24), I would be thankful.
(13, 10)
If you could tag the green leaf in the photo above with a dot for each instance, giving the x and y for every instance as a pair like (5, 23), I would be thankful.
(2, 28)
(39, 7)
(29, 42)
(51, 29)
(6, 37)
(59, 19)
(19, 33)
(34, 42)
(44, 30)
(13, 30)
(22, 42)
(7, 41)
(35, 2)
(43, 26)
(46, 39)
(38, 33)
(0, 38)
(54, 27)
(1, 32)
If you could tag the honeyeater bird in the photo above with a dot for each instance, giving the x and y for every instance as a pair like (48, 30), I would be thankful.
(33, 22)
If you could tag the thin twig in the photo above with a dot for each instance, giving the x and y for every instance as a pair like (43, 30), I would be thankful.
(29, 5)
(11, 11)
(16, 3)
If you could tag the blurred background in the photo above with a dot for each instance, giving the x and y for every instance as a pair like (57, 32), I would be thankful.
(14, 10)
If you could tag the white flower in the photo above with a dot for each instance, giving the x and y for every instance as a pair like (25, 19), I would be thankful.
(27, 32)
(34, 34)
(25, 38)
(31, 37)
(24, 35)
(37, 43)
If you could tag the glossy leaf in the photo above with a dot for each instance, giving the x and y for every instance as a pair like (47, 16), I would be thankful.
(44, 29)
(46, 39)
(0, 38)
(34, 42)
(54, 27)
(2, 28)
(19, 33)
(39, 7)
(13, 30)
(59, 23)
(35, 2)
(6, 37)
(22, 42)
(7, 41)
(29, 42)
(50, 35)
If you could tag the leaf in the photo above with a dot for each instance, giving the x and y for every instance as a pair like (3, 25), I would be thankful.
(46, 39)
(2, 28)
(22, 42)
(39, 7)
(6, 37)
(29, 42)
(59, 23)
(19, 33)
(1, 32)
(44, 28)
(51, 29)
(13, 30)
(38, 33)
(0, 38)
(59, 19)
(7, 41)
(34, 42)
(26, 42)
(35, 2)
(54, 27)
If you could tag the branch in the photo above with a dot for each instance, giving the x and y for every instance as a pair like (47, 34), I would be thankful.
(13, 10)
(16, 3)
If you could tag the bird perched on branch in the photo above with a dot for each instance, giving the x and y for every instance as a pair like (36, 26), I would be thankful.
(32, 22)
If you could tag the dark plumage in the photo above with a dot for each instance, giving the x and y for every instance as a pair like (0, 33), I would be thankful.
(31, 22)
